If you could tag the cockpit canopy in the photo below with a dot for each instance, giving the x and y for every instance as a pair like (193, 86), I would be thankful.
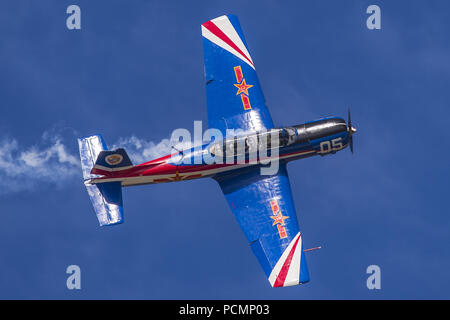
(253, 142)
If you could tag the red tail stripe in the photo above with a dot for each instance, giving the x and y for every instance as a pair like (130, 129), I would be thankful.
(219, 33)
(284, 270)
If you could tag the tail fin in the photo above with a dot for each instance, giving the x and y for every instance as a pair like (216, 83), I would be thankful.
(111, 160)
(106, 197)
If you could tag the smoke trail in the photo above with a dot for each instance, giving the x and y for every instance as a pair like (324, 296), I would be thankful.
(22, 169)
(52, 162)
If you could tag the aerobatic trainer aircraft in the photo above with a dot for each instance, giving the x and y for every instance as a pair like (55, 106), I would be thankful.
(262, 204)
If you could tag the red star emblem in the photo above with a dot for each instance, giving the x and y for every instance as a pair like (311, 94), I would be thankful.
(279, 218)
(243, 87)
(176, 177)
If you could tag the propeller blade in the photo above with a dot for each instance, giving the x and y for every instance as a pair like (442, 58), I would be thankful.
(351, 144)
(349, 118)
(351, 130)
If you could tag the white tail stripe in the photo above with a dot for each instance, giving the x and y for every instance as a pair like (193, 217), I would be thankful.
(224, 24)
(291, 279)
(293, 276)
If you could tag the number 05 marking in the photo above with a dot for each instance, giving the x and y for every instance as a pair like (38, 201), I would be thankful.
(329, 146)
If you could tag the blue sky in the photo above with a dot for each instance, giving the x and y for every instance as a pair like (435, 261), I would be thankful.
(135, 69)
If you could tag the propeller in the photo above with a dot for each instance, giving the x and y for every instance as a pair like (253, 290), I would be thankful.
(351, 130)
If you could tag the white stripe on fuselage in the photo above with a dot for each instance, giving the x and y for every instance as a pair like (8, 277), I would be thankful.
(130, 181)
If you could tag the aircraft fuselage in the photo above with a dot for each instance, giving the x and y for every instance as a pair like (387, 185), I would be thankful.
(320, 137)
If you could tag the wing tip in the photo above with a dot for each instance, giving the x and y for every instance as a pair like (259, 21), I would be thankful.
(222, 17)
(288, 284)
(225, 32)
(291, 268)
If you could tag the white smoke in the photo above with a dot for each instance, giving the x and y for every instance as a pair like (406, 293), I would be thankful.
(22, 169)
(141, 150)
(52, 162)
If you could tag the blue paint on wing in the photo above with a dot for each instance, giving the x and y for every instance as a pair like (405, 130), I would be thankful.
(225, 107)
(249, 195)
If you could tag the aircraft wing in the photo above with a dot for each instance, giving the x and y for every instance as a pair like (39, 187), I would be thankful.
(265, 211)
(234, 96)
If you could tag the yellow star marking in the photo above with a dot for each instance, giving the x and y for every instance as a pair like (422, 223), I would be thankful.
(279, 218)
(243, 87)
(177, 177)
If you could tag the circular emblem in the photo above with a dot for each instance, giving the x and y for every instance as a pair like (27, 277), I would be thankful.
(114, 159)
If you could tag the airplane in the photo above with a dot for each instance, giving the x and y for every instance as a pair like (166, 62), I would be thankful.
(262, 204)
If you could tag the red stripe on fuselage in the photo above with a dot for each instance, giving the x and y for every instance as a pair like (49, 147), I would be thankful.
(161, 167)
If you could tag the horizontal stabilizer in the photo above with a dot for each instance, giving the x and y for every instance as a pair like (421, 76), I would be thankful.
(106, 197)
